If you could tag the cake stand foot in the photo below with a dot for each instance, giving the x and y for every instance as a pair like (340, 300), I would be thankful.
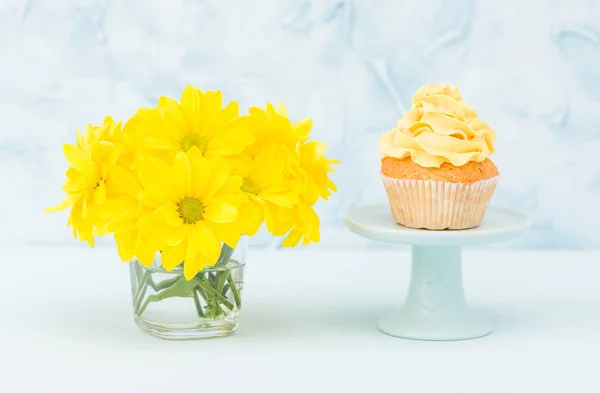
(435, 307)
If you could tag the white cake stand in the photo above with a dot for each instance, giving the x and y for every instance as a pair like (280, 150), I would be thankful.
(435, 307)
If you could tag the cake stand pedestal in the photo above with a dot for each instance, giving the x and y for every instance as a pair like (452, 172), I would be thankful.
(435, 307)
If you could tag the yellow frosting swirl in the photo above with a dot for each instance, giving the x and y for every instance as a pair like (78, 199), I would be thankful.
(440, 127)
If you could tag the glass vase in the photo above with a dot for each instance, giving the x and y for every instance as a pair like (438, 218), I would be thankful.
(168, 306)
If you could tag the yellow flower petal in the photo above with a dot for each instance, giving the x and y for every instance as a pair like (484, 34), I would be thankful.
(203, 263)
(231, 185)
(271, 164)
(167, 104)
(72, 173)
(202, 240)
(175, 125)
(146, 251)
(173, 256)
(191, 102)
(160, 143)
(229, 142)
(279, 220)
(211, 104)
(216, 180)
(126, 244)
(282, 200)
(176, 236)
(228, 233)
(83, 228)
(286, 215)
(76, 158)
(292, 239)
(191, 266)
(122, 181)
(172, 217)
(220, 213)
(100, 193)
(281, 109)
(147, 122)
(155, 192)
(199, 176)
(332, 185)
(235, 199)
(66, 203)
(84, 208)
(193, 244)
(229, 113)
(303, 127)
(259, 114)
(251, 217)
(123, 223)
(183, 173)
(147, 221)
(281, 186)
(303, 213)
(271, 109)
(241, 165)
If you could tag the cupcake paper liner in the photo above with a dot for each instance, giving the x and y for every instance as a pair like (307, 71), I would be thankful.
(438, 205)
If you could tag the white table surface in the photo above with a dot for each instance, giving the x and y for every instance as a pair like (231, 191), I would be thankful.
(309, 323)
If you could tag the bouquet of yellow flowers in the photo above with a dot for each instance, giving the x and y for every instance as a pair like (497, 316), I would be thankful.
(180, 183)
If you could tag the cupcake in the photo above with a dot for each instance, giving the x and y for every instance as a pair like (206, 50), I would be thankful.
(436, 167)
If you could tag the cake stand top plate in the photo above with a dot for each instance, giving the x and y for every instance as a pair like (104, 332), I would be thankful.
(376, 222)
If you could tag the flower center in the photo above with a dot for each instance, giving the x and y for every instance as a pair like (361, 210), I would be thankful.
(190, 210)
(191, 140)
(250, 187)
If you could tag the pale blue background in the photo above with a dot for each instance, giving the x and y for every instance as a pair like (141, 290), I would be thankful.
(530, 67)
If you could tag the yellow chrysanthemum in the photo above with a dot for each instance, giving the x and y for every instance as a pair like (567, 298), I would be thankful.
(189, 208)
(125, 181)
(198, 120)
(92, 187)
(309, 177)
(314, 169)
(305, 228)
(266, 184)
(271, 125)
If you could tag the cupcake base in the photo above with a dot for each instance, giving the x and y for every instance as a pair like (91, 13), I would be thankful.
(438, 205)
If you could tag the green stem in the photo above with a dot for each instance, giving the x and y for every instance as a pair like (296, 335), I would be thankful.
(226, 253)
(142, 288)
(216, 309)
(212, 280)
(163, 284)
(208, 312)
(221, 278)
(138, 271)
(234, 289)
(225, 289)
(197, 303)
(147, 281)
(182, 288)
(208, 289)
(212, 286)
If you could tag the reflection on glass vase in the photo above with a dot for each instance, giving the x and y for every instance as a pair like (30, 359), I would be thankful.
(168, 306)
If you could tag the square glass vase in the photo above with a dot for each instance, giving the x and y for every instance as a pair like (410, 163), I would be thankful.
(168, 306)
